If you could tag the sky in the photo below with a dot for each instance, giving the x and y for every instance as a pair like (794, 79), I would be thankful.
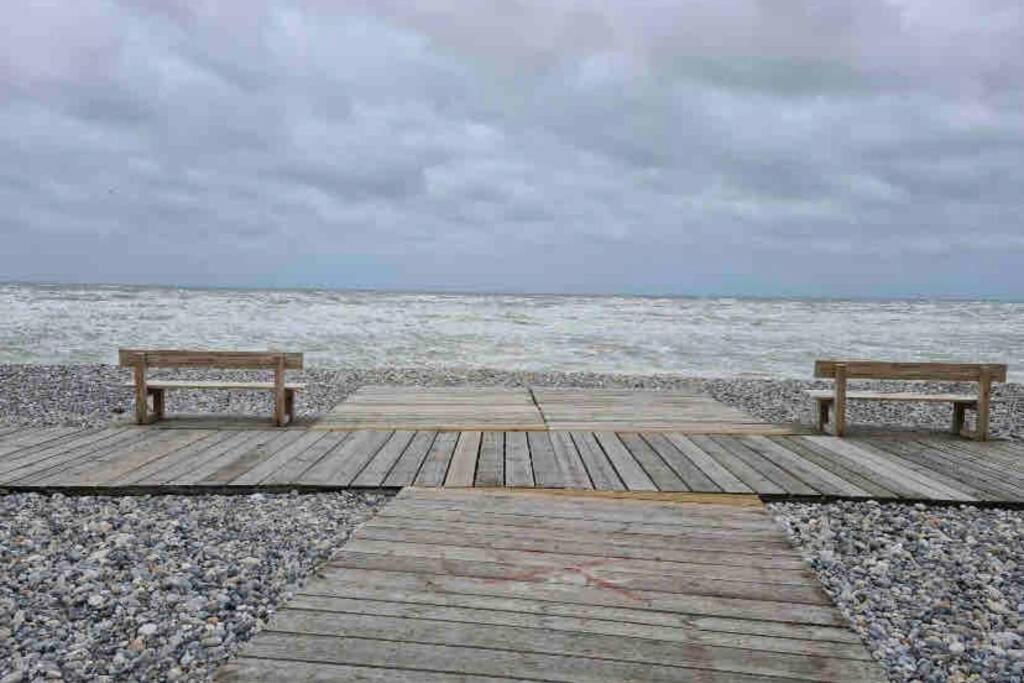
(742, 147)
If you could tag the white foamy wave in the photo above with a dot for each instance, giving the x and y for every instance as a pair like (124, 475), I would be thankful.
(711, 337)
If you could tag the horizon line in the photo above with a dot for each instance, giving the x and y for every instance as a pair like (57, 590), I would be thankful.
(486, 292)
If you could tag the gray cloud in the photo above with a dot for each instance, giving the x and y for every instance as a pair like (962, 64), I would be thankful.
(752, 147)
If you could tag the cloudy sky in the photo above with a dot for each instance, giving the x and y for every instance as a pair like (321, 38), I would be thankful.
(869, 147)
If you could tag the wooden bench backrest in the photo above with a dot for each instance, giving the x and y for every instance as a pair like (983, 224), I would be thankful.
(239, 360)
(950, 372)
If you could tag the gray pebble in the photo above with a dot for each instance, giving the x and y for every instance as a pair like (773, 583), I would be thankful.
(937, 611)
(160, 593)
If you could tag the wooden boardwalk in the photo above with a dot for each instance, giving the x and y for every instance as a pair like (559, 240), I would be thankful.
(630, 410)
(456, 585)
(922, 467)
(541, 409)
(388, 407)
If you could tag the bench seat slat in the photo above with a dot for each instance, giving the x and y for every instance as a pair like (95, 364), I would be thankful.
(904, 396)
(213, 384)
(950, 372)
(238, 360)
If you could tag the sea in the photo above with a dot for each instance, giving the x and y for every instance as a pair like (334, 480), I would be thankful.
(696, 336)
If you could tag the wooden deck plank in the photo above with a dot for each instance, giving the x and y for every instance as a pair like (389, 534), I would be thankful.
(749, 475)
(5, 430)
(25, 447)
(377, 470)
(145, 472)
(663, 476)
(44, 468)
(173, 470)
(462, 471)
(33, 438)
(290, 471)
(287, 453)
(491, 464)
(539, 409)
(262, 670)
(771, 636)
(435, 465)
(494, 601)
(924, 486)
(343, 464)
(857, 474)
(518, 465)
(682, 427)
(569, 461)
(112, 464)
(972, 480)
(817, 476)
(693, 477)
(435, 408)
(771, 470)
(720, 565)
(599, 468)
(702, 546)
(722, 477)
(542, 457)
(291, 442)
(480, 612)
(529, 587)
(404, 471)
(541, 640)
(990, 459)
(690, 528)
(469, 663)
(623, 512)
(225, 453)
(956, 484)
(37, 472)
(40, 461)
(633, 476)
(634, 410)
(585, 604)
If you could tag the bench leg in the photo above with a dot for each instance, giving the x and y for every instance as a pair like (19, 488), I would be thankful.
(823, 409)
(141, 396)
(959, 415)
(289, 404)
(158, 403)
(279, 393)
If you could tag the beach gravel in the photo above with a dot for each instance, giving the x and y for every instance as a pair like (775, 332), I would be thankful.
(154, 587)
(95, 395)
(937, 593)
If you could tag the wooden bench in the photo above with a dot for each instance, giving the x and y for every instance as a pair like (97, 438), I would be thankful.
(141, 360)
(841, 371)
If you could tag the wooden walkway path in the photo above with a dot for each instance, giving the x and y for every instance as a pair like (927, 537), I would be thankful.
(450, 585)
(541, 409)
(925, 468)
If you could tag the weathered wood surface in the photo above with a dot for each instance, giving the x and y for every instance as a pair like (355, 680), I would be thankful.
(915, 467)
(204, 358)
(521, 409)
(631, 410)
(826, 395)
(213, 384)
(948, 372)
(140, 360)
(562, 594)
(841, 371)
(439, 408)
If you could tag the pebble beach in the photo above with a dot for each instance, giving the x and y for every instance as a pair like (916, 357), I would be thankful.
(167, 587)
(97, 395)
(97, 588)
